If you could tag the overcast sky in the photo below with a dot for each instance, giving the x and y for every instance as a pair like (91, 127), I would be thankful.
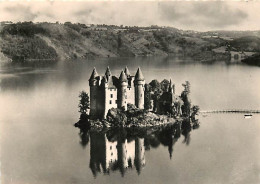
(201, 16)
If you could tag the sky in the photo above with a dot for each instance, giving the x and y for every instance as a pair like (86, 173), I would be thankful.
(187, 15)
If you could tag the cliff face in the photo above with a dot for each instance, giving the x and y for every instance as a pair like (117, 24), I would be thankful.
(51, 41)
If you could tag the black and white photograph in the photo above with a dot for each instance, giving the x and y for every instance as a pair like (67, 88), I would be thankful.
(149, 92)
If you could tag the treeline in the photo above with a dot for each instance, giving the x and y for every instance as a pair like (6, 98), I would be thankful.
(28, 29)
(253, 60)
(69, 41)
(21, 43)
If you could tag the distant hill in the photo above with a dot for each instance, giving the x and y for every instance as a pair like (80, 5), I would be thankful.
(248, 43)
(233, 34)
(51, 41)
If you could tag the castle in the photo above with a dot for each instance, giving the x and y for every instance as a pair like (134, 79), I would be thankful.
(109, 91)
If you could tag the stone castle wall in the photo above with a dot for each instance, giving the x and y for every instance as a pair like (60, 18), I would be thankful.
(111, 92)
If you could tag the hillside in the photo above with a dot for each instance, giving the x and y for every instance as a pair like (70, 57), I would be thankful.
(247, 43)
(29, 41)
(253, 60)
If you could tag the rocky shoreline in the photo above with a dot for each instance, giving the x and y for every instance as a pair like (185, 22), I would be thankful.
(150, 120)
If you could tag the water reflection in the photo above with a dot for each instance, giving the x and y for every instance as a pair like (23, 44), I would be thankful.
(111, 155)
(123, 149)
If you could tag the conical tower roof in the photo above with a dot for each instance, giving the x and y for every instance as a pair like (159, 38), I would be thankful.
(94, 74)
(104, 79)
(108, 72)
(139, 75)
(127, 72)
(123, 77)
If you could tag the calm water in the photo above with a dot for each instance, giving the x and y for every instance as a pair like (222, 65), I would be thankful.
(38, 107)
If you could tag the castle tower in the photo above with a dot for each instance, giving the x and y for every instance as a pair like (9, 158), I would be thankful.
(130, 87)
(107, 77)
(122, 95)
(108, 73)
(139, 89)
(94, 84)
(106, 95)
(127, 73)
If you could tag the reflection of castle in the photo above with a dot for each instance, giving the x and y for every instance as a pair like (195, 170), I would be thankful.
(108, 91)
(118, 155)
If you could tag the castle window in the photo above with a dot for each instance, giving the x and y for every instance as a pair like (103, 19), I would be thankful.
(110, 101)
(115, 101)
(110, 147)
(141, 95)
(111, 95)
(125, 96)
(124, 90)
(112, 154)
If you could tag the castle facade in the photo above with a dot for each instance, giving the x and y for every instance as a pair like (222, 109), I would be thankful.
(109, 91)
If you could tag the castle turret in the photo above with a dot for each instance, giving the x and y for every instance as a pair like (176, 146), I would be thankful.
(93, 83)
(139, 89)
(108, 73)
(128, 74)
(122, 95)
(105, 95)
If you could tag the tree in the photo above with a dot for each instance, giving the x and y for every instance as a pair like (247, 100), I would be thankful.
(119, 41)
(155, 85)
(165, 85)
(84, 103)
(147, 97)
(185, 96)
(147, 100)
(194, 111)
(186, 87)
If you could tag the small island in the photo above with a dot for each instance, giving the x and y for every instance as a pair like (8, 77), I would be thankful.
(127, 101)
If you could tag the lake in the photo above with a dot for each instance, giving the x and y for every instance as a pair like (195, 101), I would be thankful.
(39, 144)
